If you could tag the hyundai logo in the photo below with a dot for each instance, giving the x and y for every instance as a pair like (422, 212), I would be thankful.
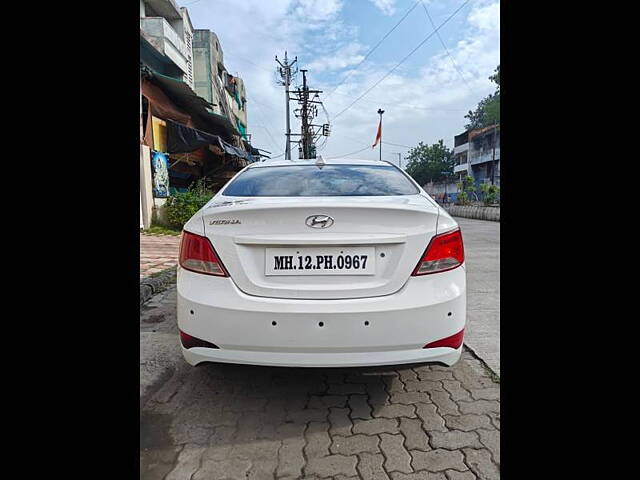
(319, 221)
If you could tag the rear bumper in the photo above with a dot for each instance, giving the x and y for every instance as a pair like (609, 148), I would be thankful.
(447, 356)
(373, 331)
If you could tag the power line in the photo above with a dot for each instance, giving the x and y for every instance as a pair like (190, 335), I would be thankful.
(352, 153)
(372, 50)
(383, 104)
(360, 141)
(326, 137)
(242, 59)
(261, 124)
(404, 59)
(397, 145)
(272, 141)
(372, 101)
(445, 47)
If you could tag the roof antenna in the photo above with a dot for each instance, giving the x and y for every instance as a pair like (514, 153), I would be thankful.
(320, 162)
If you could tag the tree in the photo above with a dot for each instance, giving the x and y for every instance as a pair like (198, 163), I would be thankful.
(495, 78)
(488, 110)
(466, 189)
(429, 163)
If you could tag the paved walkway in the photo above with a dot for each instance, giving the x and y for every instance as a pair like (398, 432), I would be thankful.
(157, 253)
(229, 422)
(482, 251)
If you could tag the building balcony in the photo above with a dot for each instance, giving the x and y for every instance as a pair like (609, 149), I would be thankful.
(484, 157)
(460, 168)
(165, 8)
(166, 40)
(461, 148)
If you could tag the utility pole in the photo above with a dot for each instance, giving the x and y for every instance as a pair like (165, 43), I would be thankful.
(306, 140)
(285, 76)
(380, 112)
(307, 113)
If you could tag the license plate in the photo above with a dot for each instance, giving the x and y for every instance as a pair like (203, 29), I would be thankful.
(320, 261)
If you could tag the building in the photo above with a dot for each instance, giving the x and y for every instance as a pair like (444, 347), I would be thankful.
(477, 154)
(166, 35)
(208, 60)
(168, 30)
(215, 84)
(461, 155)
(185, 136)
(484, 155)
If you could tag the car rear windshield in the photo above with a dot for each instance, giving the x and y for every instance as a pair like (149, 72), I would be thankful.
(325, 181)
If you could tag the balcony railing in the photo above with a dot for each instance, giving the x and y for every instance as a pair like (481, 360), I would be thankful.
(486, 156)
(461, 148)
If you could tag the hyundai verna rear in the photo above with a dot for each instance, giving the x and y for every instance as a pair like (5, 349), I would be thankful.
(333, 263)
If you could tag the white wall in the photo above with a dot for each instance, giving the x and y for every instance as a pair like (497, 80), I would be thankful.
(146, 185)
(439, 188)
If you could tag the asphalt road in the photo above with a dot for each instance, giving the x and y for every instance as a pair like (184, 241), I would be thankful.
(482, 252)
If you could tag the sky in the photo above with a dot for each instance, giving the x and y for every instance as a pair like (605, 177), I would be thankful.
(424, 99)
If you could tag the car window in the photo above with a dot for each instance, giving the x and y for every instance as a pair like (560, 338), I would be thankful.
(313, 181)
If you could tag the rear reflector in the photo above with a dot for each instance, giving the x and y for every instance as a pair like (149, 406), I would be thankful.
(454, 341)
(189, 342)
(444, 252)
(198, 255)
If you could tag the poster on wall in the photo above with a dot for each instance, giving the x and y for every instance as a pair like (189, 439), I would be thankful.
(160, 169)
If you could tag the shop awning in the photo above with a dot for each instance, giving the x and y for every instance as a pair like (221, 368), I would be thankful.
(250, 148)
(182, 95)
(161, 105)
(182, 139)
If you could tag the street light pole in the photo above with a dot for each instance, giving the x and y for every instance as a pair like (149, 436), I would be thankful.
(493, 161)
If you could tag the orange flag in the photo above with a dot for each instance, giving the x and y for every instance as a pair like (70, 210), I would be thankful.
(379, 135)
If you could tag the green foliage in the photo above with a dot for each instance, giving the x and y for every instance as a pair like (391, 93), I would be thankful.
(466, 185)
(161, 230)
(430, 163)
(488, 109)
(490, 193)
(495, 78)
(466, 188)
(181, 206)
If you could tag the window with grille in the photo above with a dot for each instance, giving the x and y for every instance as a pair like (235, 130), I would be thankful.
(189, 59)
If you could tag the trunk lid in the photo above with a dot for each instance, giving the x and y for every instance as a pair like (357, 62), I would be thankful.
(392, 231)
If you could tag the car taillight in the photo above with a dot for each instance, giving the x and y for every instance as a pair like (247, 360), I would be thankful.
(454, 341)
(445, 252)
(189, 341)
(197, 254)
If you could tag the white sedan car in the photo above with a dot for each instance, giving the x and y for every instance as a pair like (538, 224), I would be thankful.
(334, 263)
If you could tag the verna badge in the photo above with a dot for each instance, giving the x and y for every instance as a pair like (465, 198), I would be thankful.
(319, 221)
(224, 222)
